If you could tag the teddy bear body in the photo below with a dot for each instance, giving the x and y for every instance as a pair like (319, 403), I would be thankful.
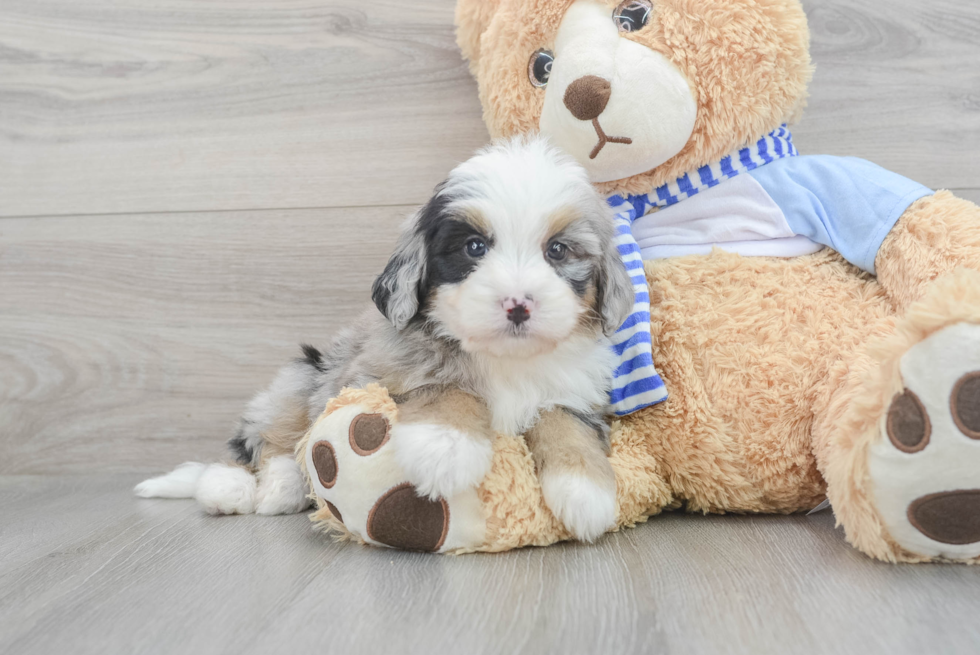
(750, 372)
(766, 357)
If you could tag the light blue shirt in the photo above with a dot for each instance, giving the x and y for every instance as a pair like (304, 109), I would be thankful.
(844, 203)
(760, 200)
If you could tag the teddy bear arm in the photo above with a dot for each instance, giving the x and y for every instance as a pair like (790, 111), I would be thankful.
(934, 236)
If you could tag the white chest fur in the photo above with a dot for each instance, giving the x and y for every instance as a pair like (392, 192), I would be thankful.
(575, 375)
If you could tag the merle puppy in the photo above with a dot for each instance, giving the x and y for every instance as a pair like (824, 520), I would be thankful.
(492, 316)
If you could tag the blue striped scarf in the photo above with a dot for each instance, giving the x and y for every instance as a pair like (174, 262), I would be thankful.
(636, 383)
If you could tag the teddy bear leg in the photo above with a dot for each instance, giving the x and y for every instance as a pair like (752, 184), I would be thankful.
(936, 235)
(899, 444)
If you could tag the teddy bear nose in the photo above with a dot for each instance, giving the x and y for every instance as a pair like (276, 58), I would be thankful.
(587, 96)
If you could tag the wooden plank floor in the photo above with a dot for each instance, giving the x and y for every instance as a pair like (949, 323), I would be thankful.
(85, 569)
(188, 188)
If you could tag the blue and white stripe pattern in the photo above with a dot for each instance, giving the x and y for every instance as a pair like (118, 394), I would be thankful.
(636, 383)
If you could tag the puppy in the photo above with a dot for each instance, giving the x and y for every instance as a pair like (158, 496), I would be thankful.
(495, 312)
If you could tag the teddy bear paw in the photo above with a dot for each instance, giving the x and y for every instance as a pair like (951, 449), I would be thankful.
(926, 467)
(440, 461)
(586, 508)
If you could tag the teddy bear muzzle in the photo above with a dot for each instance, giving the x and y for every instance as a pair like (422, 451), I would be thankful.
(586, 98)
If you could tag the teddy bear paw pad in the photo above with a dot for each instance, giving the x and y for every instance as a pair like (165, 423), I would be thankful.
(403, 519)
(949, 517)
(925, 468)
(325, 464)
(368, 433)
(352, 465)
(334, 512)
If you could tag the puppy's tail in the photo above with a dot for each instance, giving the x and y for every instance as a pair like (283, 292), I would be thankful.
(219, 488)
(179, 483)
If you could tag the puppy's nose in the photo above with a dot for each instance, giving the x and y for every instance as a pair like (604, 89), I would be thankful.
(518, 314)
(518, 311)
(587, 97)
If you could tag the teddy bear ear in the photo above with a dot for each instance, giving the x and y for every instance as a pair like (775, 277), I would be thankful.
(472, 20)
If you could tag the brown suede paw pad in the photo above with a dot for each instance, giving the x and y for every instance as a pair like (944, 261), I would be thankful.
(403, 519)
(965, 404)
(368, 432)
(334, 511)
(908, 423)
(325, 463)
(950, 517)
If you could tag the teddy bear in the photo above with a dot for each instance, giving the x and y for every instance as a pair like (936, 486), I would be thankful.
(814, 321)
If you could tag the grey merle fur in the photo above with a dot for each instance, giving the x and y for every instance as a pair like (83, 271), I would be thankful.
(404, 353)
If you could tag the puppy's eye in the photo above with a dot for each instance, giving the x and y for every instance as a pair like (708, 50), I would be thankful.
(476, 247)
(539, 67)
(557, 251)
(632, 15)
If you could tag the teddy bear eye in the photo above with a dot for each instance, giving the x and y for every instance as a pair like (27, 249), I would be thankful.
(539, 67)
(632, 15)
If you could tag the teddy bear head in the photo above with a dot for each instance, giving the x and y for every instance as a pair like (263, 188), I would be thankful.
(639, 91)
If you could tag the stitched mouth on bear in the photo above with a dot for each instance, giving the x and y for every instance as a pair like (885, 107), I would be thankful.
(604, 139)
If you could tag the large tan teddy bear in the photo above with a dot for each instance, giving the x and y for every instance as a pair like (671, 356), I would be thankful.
(815, 320)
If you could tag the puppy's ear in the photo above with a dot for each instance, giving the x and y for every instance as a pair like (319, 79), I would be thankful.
(614, 297)
(396, 292)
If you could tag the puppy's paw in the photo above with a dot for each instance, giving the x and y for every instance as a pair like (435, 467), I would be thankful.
(224, 489)
(282, 488)
(586, 508)
(439, 460)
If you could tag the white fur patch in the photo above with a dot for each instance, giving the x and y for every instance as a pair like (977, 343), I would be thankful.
(225, 489)
(585, 508)
(179, 483)
(575, 375)
(282, 487)
(949, 462)
(438, 460)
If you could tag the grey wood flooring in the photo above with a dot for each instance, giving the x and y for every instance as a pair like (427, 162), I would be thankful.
(188, 188)
(88, 570)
